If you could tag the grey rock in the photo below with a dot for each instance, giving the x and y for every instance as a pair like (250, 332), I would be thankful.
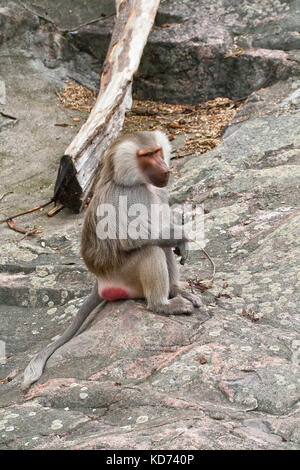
(70, 15)
(226, 377)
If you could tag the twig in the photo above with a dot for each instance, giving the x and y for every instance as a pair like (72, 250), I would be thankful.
(34, 231)
(5, 194)
(213, 265)
(55, 210)
(211, 262)
(8, 116)
(12, 226)
(26, 212)
(176, 157)
(96, 20)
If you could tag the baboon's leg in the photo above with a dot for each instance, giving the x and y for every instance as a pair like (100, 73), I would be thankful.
(154, 277)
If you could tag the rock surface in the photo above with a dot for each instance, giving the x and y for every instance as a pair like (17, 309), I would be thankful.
(224, 378)
(196, 50)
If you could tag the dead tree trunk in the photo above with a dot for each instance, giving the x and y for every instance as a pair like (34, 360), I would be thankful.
(82, 159)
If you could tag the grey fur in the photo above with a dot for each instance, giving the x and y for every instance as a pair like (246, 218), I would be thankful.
(36, 366)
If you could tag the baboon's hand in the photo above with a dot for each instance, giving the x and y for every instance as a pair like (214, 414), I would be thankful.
(183, 251)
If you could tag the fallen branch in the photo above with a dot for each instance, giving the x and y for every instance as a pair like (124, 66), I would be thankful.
(82, 160)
